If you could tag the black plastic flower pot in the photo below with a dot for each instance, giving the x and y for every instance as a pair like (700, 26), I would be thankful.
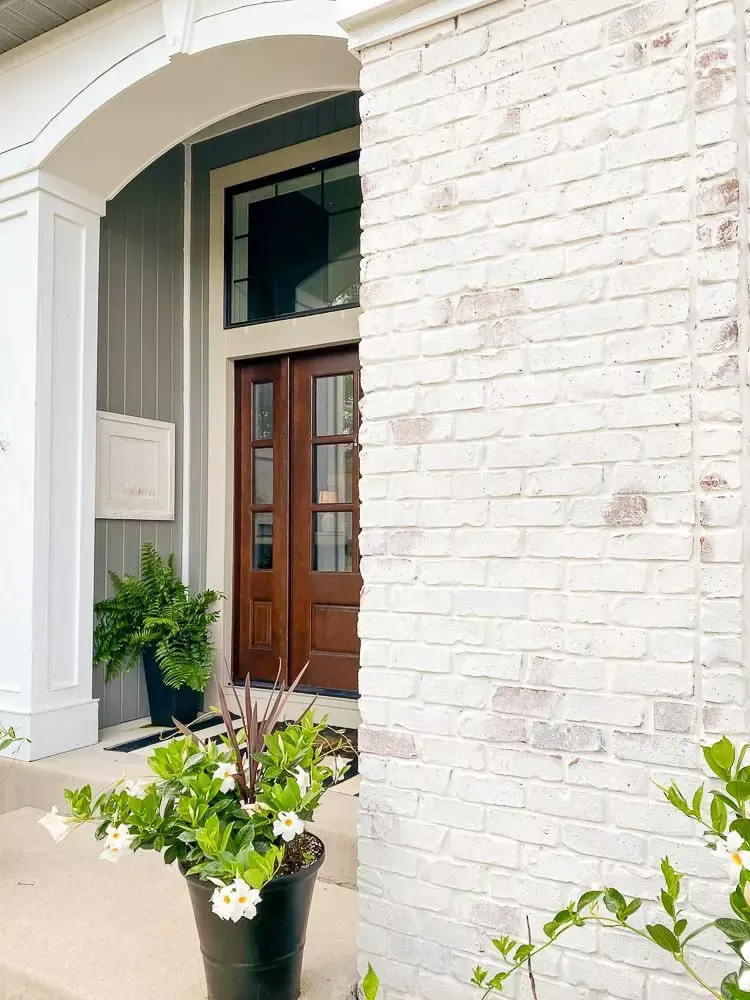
(166, 703)
(258, 959)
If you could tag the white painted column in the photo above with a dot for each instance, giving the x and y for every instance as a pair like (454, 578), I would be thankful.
(49, 264)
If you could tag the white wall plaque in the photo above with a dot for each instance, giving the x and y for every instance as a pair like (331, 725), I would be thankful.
(135, 468)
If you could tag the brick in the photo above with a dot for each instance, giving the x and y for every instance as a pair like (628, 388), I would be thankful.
(552, 493)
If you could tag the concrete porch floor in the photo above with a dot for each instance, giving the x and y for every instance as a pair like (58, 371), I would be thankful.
(76, 928)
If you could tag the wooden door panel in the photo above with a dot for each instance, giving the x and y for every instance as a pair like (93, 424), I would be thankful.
(333, 629)
(297, 581)
(261, 604)
(325, 519)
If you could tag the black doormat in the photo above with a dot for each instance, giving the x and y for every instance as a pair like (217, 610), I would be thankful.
(162, 735)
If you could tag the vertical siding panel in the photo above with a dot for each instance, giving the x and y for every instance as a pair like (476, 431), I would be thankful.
(140, 367)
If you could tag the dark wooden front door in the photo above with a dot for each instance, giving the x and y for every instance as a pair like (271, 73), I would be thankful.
(297, 519)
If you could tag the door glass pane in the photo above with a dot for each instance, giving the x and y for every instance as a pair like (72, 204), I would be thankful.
(332, 473)
(263, 410)
(332, 542)
(263, 541)
(262, 476)
(334, 405)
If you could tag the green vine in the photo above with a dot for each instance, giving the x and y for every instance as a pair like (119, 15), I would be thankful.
(726, 827)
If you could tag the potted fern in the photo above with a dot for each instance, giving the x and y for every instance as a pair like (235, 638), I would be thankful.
(154, 616)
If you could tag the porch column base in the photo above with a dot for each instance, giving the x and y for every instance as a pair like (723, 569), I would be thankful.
(54, 730)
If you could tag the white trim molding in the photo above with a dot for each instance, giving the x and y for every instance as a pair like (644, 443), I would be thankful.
(368, 23)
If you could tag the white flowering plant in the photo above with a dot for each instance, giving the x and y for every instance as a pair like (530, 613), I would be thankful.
(726, 829)
(232, 812)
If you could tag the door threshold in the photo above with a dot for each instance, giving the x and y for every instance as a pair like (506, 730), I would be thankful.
(341, 711)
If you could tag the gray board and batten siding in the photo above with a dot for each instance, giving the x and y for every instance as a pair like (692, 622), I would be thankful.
(140, 364)
(140, 369)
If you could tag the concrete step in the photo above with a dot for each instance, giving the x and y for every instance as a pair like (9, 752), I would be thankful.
(42, 784)
(76, 928)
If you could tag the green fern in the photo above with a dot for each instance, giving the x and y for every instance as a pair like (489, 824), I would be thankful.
(156, 609)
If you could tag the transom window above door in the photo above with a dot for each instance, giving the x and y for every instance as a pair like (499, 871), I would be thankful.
(292, 242)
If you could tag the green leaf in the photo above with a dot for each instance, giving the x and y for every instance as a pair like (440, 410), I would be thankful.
(478, 977)
(671, 877)
(720, 758)
(496, 983)
(523, 952)
(697, 802)
(633, 906)
(730, 989)
(680, 927)
(718, 814)
(735, 930)
(674, 796)
(668, 903)
(588, 898)
(739, 790)
(662, 936)
(370, 984)
(614, 900)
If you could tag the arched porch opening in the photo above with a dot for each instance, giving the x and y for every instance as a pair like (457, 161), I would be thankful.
(49, 239)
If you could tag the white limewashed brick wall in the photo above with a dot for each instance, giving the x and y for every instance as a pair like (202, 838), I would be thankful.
(555, 226)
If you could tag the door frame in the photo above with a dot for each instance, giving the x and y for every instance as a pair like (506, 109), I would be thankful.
(257, 340)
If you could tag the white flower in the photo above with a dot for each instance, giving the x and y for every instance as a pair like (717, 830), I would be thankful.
(247, 899)
(235, 901)
(225, 772)
(119, 837)
(135, 789)
(743, 980)
(251, 808)
(303, 781)
(57, 826)
(288, 826)
(117, 843)
(223, 903)
(113, 853)
(734, 856)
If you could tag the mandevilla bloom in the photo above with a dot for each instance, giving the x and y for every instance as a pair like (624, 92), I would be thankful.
(135, 789)
(743, 980)
(57, 826)
(303, 781)
(735, 857)
(288, 826)
(117, 843)
(235, 901)
(225, 773)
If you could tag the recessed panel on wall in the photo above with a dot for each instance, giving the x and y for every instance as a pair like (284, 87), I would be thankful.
(135, 468)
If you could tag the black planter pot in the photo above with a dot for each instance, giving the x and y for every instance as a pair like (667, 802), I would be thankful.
(258, 959)
(166, 703)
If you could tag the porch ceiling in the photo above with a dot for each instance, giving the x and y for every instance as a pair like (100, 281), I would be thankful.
(22, 20)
